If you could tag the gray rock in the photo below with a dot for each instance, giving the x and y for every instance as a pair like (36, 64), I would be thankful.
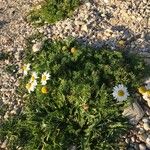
(142, 146)
(134, 113)
(142, 137)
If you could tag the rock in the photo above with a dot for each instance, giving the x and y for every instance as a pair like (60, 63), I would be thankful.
(148, 141)
(37, 46)
(141, 131)
(146, 126)
(142, 137)
(134, 113)
(84, 28)
(133, 139)
(145, 120)
(136, 146)
(127, 140)
(4, 144)
(142, 146)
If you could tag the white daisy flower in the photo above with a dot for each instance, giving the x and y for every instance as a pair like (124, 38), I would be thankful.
(33, 76)
(120, 92)
(30, 86)
(45, 77)
(26, 68)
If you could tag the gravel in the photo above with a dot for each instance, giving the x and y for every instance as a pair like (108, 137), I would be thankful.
(113, 23)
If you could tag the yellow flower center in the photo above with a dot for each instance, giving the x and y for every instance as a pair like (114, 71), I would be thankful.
(142, 89)
(24, 67)
(44, 90)
(121, 93)
(32, 78)
(28, 86)
(43, 78)
(148, 93)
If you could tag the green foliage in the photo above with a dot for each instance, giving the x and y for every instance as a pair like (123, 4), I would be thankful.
(12, 69)
(78, 109)
(53, 10)
(3, 56)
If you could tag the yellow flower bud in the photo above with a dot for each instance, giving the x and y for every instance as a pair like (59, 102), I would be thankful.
(73, 50)
(44, 90)
(142, 89)
(121, 43)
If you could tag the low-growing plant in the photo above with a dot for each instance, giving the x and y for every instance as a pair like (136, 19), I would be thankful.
(53, 10)
(70, 102)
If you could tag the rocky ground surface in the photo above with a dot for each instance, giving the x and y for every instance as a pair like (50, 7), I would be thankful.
(113, 23)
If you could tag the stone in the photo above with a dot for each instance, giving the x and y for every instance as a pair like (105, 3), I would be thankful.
(141, 131)
(145, 120)
(37, 46)
(127, 140)
(142, 137)
(148, 140)
(146, 126)
(84, 28)
(142, 146)
(134, 113)
(133, 139)
(136, 146)
(4, 144)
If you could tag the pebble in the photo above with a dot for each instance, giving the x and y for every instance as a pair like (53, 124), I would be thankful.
(146, 126)
(141, 131)
(142, 146)
(142, 137)
(37, 46)
(145, 120)
(133, 139)
(127, 140)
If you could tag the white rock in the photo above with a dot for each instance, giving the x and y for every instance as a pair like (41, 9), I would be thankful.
(145, 120)
(148, 140)
(133, 139)
(106, 1)
(13, 112)
(37, 46)
(84, 28)
(146, 126)
(141, 131)
(88, 5)
(142, 146)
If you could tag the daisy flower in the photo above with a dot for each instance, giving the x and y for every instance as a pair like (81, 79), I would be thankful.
(30, 86)
(33, 77)
(45, 77)
(26, 68)
(120, 92)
